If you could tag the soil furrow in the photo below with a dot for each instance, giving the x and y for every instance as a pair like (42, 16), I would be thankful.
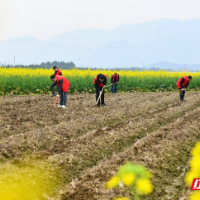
(39, 113)
(56, 135)
(165, 152)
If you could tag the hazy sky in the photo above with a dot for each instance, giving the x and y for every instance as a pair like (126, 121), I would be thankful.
(47, 18)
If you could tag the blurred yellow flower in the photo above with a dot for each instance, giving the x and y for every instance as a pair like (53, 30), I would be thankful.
(190, 176)
(195, 195)
(122, 198)
(128, 179)
(144, 186)
(113, 182)
(196, 150)
(195, 164)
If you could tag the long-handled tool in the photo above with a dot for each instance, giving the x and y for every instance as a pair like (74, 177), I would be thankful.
(102, 92)
(110, 85)
(56, 101)
(100, 95)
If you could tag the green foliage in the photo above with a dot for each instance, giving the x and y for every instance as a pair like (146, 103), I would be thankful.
(41, 84)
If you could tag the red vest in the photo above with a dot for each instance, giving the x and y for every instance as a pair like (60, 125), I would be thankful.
(184, 83)
(113, 78)
(100, 83)
(58, 72)
(65, 85)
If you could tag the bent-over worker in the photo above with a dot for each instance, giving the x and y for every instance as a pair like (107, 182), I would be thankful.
(182, 84)
(99, 83)
(57, 72)
(63, 85)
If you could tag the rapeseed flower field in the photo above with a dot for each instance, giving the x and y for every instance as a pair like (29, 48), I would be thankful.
(37, 81)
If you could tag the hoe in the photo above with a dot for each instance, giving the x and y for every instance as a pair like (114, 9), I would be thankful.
(102, 91)
(55, 101)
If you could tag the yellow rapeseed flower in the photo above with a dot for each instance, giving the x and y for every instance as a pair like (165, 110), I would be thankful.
(92, 73)
(190, 176)
(195, 195)
(144, 186)
(128, 179)
(122, 198)
(113, 182)
(195, 164)
(196, 150)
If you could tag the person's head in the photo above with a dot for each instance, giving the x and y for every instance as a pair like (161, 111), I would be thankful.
(189, 78)
(53, 78)
(115, 74)
(101, 80)
(55, 68)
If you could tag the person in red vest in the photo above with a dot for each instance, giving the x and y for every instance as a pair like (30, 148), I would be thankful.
(57, 72)
(114, 82)
(63, 85)
(182, 84)
(99, 83)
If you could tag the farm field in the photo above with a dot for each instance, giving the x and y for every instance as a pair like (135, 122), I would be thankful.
(85, 144)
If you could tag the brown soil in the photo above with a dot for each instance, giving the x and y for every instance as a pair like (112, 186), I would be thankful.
(90, 143)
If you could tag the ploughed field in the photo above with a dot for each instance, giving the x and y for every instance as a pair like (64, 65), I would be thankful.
(87, 144)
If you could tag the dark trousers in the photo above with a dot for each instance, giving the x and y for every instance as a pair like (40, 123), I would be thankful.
(97, 96)
(63, 98)
(115, 88)
(182, 93)
(52, 87)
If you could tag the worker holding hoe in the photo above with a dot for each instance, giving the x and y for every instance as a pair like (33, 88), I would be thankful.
(182, 84)
(99, 83)
(57, 72)
(114, 82)
(63, 85)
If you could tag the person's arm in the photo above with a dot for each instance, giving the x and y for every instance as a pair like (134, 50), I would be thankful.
(186, 85)
(60, 84)
(111, 79)
(182, 81)
(96, 84)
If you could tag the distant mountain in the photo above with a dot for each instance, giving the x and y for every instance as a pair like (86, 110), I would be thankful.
(90, 37)
(173, 66)
(137, 35)
(128, 45)
(15, 47)
(176, 48)
(60, 52)
(115, 54)
(29, 50)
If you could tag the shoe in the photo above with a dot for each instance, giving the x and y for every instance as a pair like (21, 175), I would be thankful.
(63, 106)
(184, 100)
(98, 105)
(103, 104)
(59, 106)
(53, 95)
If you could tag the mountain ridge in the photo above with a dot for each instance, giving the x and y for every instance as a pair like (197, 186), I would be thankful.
(128, 45)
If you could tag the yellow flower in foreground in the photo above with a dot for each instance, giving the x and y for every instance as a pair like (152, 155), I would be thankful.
(144, 186)
(196, 150)
(190, 176)
(113, 182)
(195, 196)
(128, 179)
(122, 198)
(195, 163)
